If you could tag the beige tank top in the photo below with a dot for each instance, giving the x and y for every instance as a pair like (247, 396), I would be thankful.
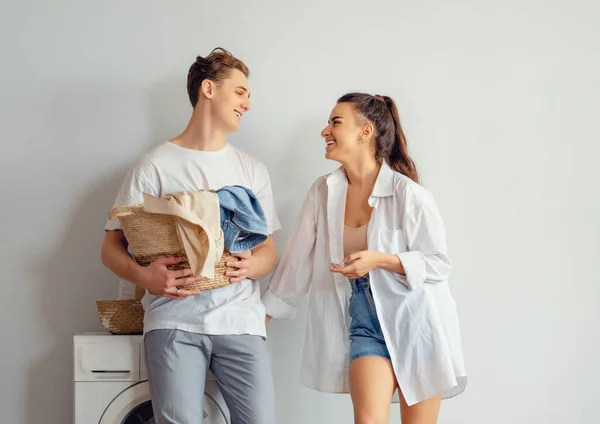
(355, 239)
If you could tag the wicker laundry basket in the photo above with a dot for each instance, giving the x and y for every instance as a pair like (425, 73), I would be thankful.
(151, 236)
(121, 316)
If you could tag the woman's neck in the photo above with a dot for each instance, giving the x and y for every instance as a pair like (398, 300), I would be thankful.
(362, 174)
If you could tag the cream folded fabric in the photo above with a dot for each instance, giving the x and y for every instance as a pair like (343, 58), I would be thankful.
(197, 217)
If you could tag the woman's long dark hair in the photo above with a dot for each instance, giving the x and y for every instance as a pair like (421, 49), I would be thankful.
(390, 142)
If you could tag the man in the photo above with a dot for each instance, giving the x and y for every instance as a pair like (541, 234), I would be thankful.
(188, 332)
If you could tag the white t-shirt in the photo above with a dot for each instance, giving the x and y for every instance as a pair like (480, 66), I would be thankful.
(169, 169)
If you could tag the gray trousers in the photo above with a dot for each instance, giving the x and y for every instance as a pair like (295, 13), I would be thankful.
(177, 363)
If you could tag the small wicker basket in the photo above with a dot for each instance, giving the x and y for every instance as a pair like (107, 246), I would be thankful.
(121, 316)
(151, 236)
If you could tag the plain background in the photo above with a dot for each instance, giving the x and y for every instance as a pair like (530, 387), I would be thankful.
(500, 102)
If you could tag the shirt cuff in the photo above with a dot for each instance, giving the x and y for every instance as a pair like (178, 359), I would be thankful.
(276, 307)
(113, 224)
(414, 268)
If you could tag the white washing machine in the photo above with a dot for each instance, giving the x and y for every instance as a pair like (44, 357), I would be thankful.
(111, 384)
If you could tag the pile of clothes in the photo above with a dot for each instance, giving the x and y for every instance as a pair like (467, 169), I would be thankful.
(209, 222)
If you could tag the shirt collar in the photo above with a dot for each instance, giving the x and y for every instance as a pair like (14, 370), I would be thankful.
(336, 176)
(384, 185)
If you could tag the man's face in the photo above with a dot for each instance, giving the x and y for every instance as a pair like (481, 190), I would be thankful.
(231, 99)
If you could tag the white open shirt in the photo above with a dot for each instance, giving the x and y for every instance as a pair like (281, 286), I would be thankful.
(416, 311)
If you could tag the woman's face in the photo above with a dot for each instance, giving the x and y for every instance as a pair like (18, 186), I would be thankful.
(344, 135)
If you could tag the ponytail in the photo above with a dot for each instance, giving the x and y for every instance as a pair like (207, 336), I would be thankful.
(398, 156)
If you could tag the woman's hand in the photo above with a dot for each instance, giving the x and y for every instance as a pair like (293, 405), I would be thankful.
(361, 263)
(358, 264)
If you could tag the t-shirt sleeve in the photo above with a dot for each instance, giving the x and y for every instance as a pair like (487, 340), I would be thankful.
(264, 193)
(131, 193)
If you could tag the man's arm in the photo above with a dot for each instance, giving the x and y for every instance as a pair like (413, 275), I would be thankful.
(264, 258)
(156, 277)
(254, 264)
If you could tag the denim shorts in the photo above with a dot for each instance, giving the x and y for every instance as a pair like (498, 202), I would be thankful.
(366, 338)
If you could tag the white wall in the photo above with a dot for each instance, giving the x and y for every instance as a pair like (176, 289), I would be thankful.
(499, 102)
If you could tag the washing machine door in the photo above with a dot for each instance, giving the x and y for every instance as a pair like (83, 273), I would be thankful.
(133, 406)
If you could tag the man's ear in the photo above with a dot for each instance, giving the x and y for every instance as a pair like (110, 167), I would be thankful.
(207, 88)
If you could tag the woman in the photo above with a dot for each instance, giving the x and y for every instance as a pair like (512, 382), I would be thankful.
(370, 234)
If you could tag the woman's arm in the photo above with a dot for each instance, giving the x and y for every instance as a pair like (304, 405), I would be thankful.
(293, 273)
(426, 260)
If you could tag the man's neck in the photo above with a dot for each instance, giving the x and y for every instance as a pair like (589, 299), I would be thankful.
(201, 133)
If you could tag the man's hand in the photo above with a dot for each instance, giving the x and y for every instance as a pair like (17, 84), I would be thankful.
(242, 267)
(161, 281)
(156, 278)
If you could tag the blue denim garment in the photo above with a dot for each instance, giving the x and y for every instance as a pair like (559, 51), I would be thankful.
(242, 219)
(366, 337)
